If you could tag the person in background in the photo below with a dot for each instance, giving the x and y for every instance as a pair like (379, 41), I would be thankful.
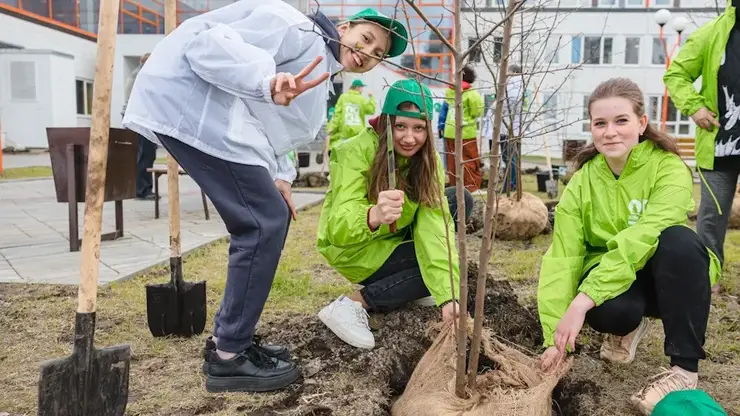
(394, 268)
(147, 153)
(510, 129)
(350, 114)
(712, 53)
(472, 107)
(622, 250)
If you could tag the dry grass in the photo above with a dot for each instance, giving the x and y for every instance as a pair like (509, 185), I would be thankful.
(165, 373)
(26, 172)
(165, 379)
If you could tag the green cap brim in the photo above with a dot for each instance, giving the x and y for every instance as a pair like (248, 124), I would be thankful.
(398, 33)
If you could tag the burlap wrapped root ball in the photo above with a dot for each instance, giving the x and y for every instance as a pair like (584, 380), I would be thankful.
(735, 213)
(520, 220)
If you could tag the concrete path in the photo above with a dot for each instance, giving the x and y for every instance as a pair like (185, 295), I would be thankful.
(34, 232)
(23, 160)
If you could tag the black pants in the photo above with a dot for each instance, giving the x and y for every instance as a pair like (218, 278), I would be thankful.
(144, 160)
(399, 281)
(257, 217)
(674, 287)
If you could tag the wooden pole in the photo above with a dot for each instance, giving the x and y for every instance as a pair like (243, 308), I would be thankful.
(97, 161)
(173, 169)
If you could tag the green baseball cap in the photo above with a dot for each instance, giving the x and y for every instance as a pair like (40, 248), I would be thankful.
(358, 83)
(398, 30)
(409, 90)
(688, 402)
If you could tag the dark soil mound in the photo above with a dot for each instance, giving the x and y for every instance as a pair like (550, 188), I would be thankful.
(311, 180)
(340, 380)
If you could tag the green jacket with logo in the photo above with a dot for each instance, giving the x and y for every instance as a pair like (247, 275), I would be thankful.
(700, 57)
(613, 224)
(350, 114)
(356, 252)
(472, 105)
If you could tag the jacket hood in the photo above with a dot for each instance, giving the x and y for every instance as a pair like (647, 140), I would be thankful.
(467, 85)
(330, 31)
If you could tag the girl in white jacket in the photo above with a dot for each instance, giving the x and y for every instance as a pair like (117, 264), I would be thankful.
(229, 94)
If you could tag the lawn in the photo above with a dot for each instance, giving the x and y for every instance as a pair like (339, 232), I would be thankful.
(26, 172)
(165, 374)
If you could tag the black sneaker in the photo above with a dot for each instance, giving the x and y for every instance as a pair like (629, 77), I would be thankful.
(280, 352)
(250, 371)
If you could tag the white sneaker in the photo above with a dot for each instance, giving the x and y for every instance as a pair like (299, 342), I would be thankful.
(427, 301)
(347, 319)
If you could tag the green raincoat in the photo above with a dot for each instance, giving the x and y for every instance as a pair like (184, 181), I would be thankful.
(356, 252)
(700, 57)
(615, 224)
(472, 105)
(349, 118)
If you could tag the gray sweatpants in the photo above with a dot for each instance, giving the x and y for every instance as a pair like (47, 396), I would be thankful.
(711, 226)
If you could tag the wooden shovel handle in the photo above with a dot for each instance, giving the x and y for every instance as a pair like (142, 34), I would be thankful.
(393, 227)
(173, 197)
(173, 168)
(97, 161)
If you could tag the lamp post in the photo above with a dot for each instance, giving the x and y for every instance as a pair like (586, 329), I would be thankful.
(662, 17)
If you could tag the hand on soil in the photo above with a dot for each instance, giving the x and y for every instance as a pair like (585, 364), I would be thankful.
(285, 191)
(551, 358)
(388, 208)
(285, 87)
(450, 311)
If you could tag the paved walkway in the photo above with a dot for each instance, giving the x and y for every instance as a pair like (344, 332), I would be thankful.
(34, 232)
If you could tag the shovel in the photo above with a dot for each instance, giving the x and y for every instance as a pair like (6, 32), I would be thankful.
(91, 382)
(177, 307)
(391, 164)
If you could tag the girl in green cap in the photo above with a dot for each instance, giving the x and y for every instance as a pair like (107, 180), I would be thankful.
(622, 250)
(230, 93)
(355, 233)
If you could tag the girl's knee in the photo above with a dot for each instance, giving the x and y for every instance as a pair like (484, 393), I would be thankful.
(616, 318)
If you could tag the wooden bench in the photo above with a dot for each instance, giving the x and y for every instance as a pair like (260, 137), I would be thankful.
(159, 171)
(686, 147)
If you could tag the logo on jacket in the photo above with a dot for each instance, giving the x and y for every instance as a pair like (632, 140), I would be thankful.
(635, 208)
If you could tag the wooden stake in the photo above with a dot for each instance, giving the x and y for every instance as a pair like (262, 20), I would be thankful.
(491, 201)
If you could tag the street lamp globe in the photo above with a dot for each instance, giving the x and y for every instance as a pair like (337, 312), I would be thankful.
(680, 24)
(662, 17)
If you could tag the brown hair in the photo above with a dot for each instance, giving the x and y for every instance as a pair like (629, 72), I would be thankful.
(422, 182)
(627, 89)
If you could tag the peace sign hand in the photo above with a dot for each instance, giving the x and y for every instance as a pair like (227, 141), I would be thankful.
(284, 87)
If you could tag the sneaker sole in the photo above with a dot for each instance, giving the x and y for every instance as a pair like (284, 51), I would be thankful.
(251, 384)
(336, 328)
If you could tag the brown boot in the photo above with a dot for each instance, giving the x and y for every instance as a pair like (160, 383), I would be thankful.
(660, 385)
(622, 349)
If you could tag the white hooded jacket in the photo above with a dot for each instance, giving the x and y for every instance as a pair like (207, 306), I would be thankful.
(207, 84)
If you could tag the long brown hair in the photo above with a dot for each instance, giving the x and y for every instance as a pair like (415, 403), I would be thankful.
(627, 89)
(422, 182)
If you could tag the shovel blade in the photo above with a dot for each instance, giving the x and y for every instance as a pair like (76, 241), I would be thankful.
(161, 309)
(90, 382)
(552, 188)
(177, 310)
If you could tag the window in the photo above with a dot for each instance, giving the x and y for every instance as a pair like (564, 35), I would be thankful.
(549, 105)
(553, 52)
(84, 92)
(498, 47)
(597, 50)
(658, 52)
(475, 55)
(632, 51)
(635, 3)
(22, 81)
(607, 3)
(676, 123)
(661, 3)
(586, 125)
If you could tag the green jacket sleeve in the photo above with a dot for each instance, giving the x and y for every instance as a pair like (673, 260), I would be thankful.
(687, 68)
(347, 221)
(369, 107)
(431, 240)
(669, 203)
(475, 105)
(563, 262)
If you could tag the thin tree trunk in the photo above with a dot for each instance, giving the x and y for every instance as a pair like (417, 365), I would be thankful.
(488, 228)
